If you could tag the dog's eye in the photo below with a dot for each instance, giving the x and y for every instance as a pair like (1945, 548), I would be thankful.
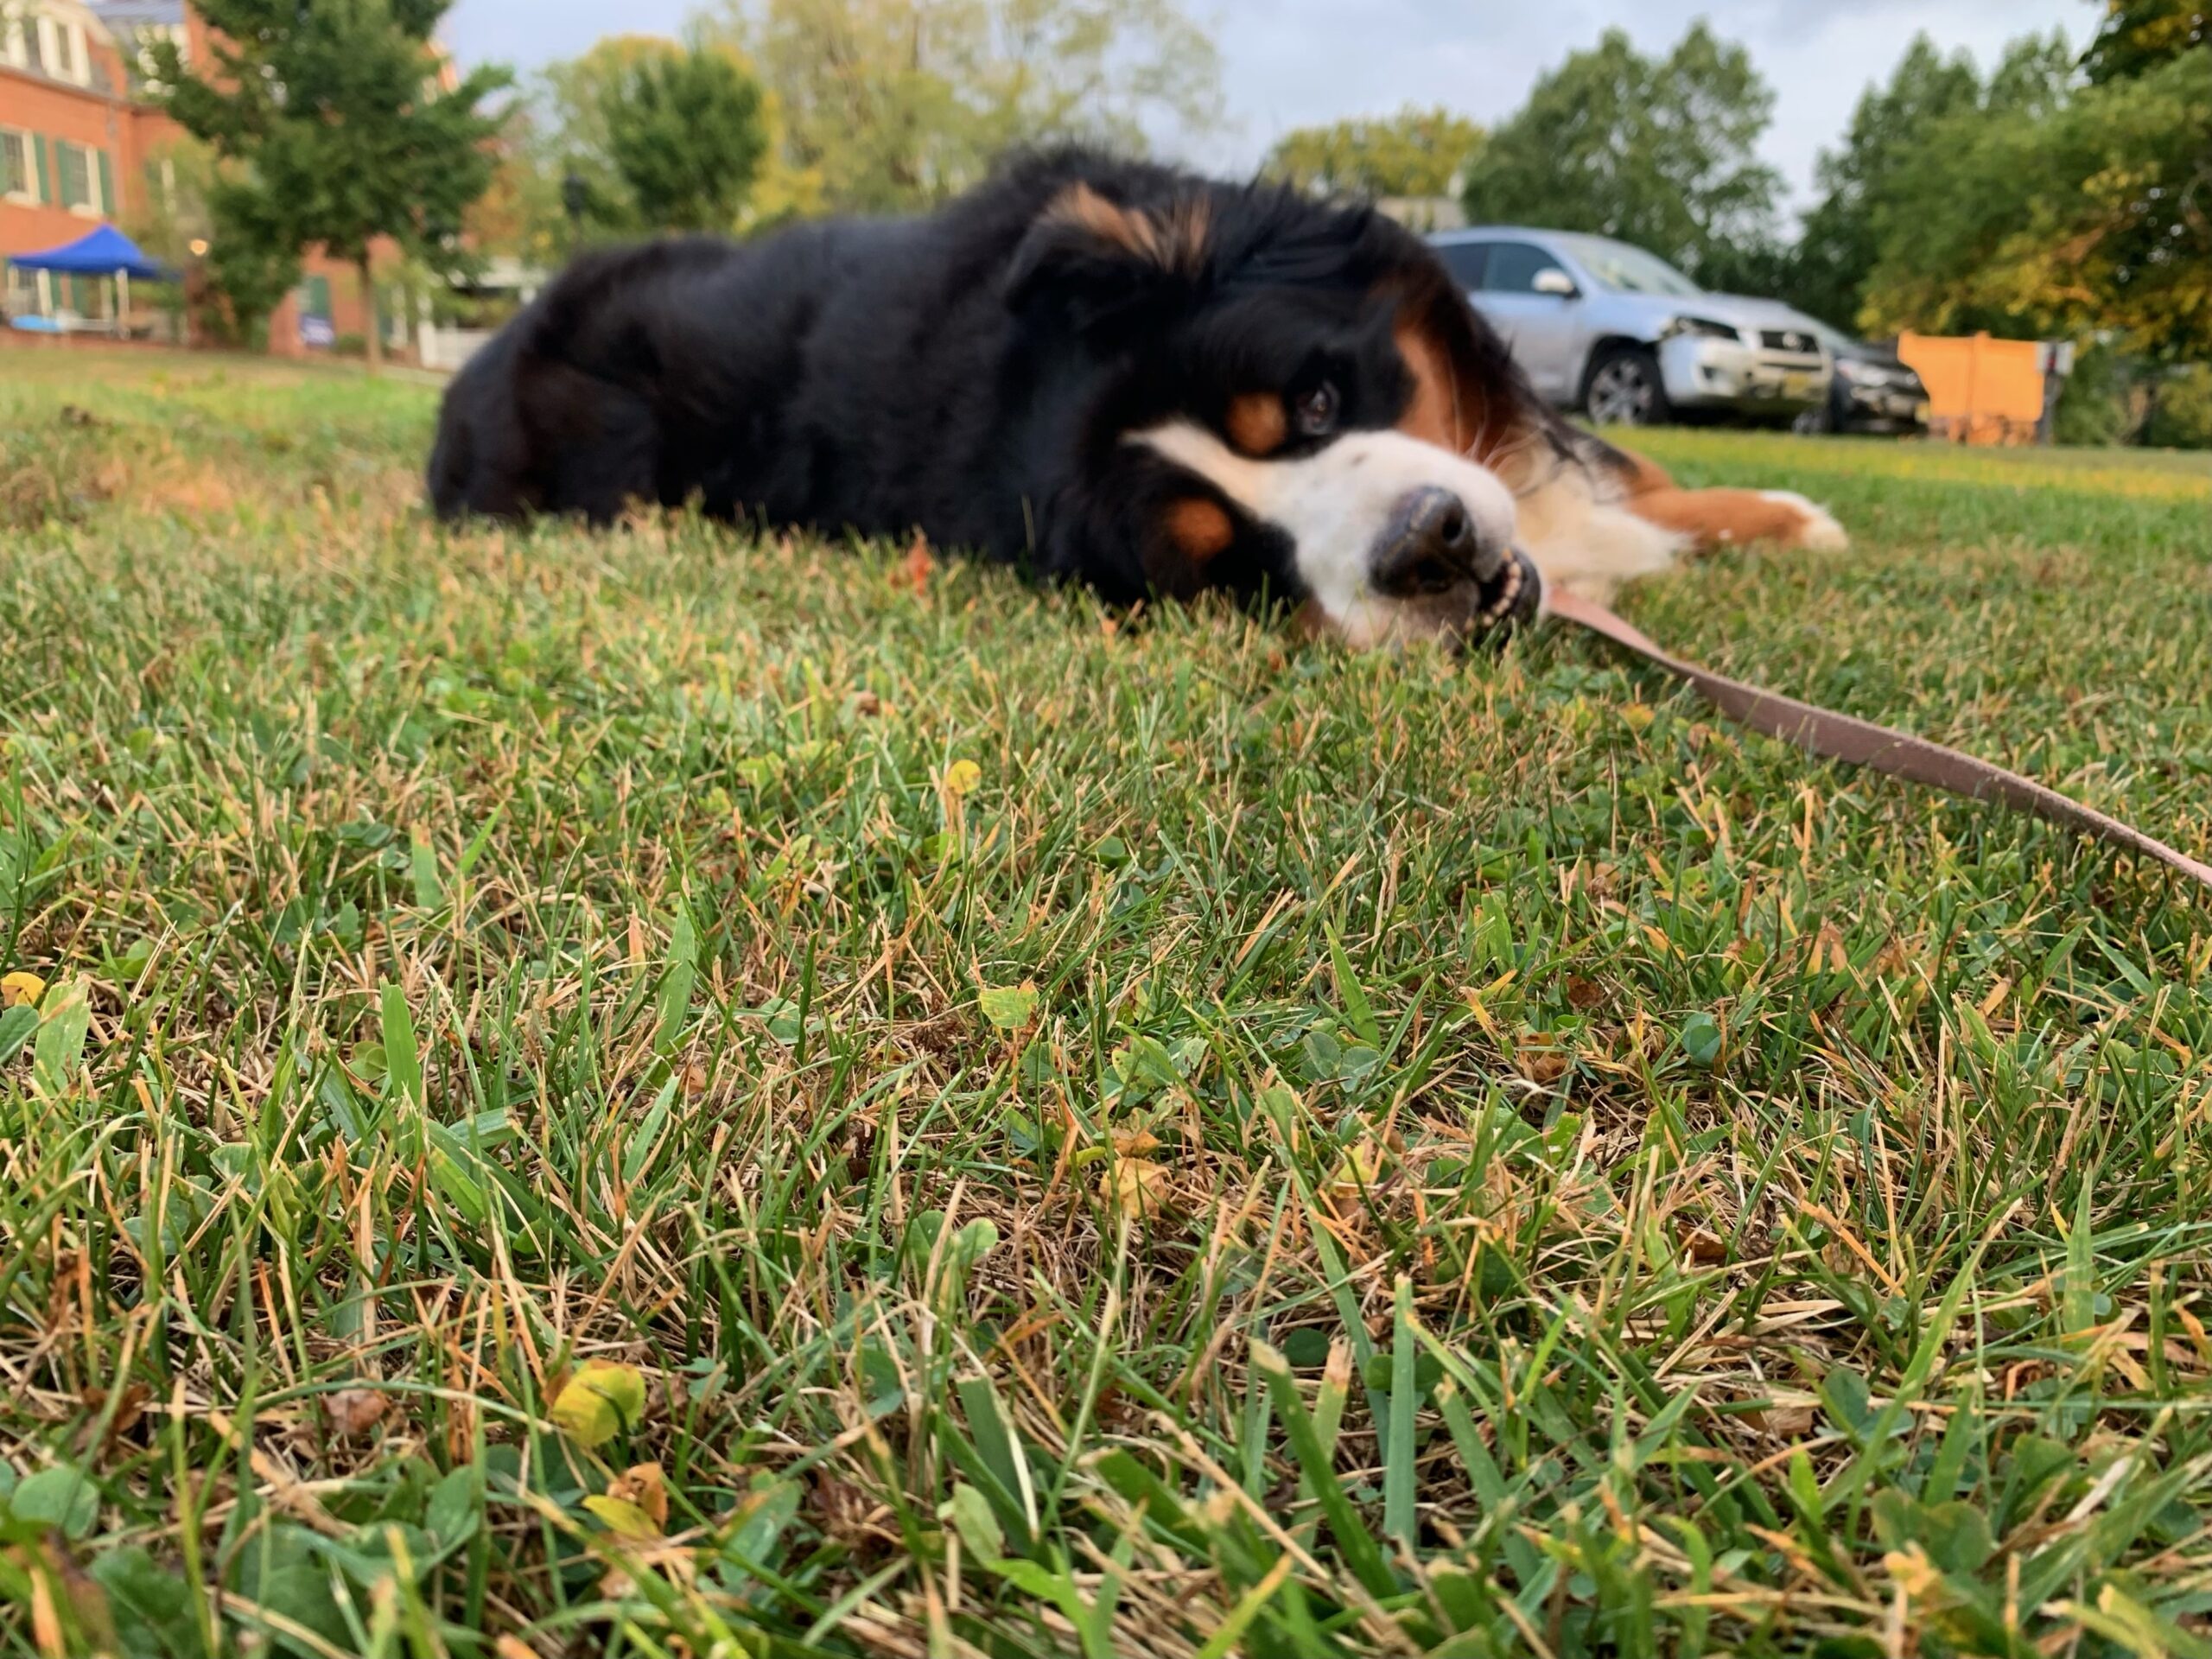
(1316, 410)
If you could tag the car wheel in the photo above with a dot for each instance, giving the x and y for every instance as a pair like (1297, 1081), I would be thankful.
(1625, 389)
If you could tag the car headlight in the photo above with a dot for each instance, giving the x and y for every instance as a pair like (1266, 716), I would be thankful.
(1703, 327)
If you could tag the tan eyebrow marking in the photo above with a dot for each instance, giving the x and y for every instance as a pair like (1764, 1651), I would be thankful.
(1257, 425)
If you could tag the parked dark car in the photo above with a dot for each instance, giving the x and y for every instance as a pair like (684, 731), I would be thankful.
(1874, 390)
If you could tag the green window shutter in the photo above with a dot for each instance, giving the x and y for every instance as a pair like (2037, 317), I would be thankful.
(318, 303)
(110, 208)
(45, 171)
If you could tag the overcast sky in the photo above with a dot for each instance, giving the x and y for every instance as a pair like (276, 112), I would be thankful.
(1290, 63)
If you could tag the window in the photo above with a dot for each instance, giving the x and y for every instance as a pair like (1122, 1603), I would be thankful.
(35, 44)
(72, 171)
(1630, 271)
(16, 175)
(137, 41)
(1515, 266)
(160, 174)
(1465, 260)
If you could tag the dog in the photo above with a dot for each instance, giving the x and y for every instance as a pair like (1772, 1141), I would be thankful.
(1097, 369)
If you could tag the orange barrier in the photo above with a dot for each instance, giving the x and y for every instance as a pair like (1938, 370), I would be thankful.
(1980, 389)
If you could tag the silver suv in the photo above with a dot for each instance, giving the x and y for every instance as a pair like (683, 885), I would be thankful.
(1621, 335)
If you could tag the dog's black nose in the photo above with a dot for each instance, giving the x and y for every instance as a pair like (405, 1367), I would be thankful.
(1433, 546)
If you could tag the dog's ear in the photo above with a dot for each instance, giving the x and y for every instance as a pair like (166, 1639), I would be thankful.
(1107, 266)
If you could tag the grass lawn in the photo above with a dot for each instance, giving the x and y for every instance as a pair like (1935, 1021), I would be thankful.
(667, 1094)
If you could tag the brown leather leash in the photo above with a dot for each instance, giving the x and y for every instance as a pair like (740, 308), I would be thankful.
(1861, 743)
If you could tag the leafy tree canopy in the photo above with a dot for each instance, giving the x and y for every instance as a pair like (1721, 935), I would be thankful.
(344, 119)
(686, 133)
(1413, 153)
(1890, 131)
(896, 104)
(1658, 151)
(2074, 220)
(2140, 35)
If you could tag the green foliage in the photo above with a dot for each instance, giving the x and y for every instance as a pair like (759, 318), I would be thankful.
(560, 140)
(2181, 410)
(1839, 244)
(253, 256)
(2140, 35)
(171, 212)
(521, 214)
(685, 136)
(1657, 151)
(2093, 404)
(335, 113)
(1415, 153)
(895, 104)
(2034, 204)
(2059, 212)
(1762, 265)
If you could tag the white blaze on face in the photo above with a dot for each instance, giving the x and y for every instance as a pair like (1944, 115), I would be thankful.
(1337, 504)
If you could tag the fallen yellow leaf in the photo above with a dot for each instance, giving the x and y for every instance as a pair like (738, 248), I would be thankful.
(1360, 1171)
(1134, 1187)
(600, 1400)
(21, 990)
(623, 1519)
(961, 777)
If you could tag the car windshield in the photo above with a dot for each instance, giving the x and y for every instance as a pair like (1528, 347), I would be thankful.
(1629, 270)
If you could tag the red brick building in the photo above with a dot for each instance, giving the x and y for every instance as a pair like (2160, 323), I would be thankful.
(81, 143)
(75, 144)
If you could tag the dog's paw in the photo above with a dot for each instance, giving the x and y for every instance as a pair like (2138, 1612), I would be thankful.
(1817, 527)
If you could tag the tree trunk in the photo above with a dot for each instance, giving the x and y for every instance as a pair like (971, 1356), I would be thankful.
(373, 340)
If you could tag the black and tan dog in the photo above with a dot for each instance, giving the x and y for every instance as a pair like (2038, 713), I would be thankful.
(1102, 371)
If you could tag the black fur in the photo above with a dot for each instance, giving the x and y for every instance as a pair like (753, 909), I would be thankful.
(971, 374)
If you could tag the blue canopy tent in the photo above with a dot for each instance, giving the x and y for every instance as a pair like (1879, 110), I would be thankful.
(105, 252)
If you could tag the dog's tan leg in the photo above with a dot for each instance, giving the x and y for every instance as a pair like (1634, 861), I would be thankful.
(1717, 519)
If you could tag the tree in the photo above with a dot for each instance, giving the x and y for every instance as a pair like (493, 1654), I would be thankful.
(1891, 130)
(2076, 220)
(896, 104)
(562, 133)
(253, 257)
(1659, 152)
(344, 122)
(686, 135)
(520, 212)
(560, 141)
(1415, 153)
(2140, 35)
